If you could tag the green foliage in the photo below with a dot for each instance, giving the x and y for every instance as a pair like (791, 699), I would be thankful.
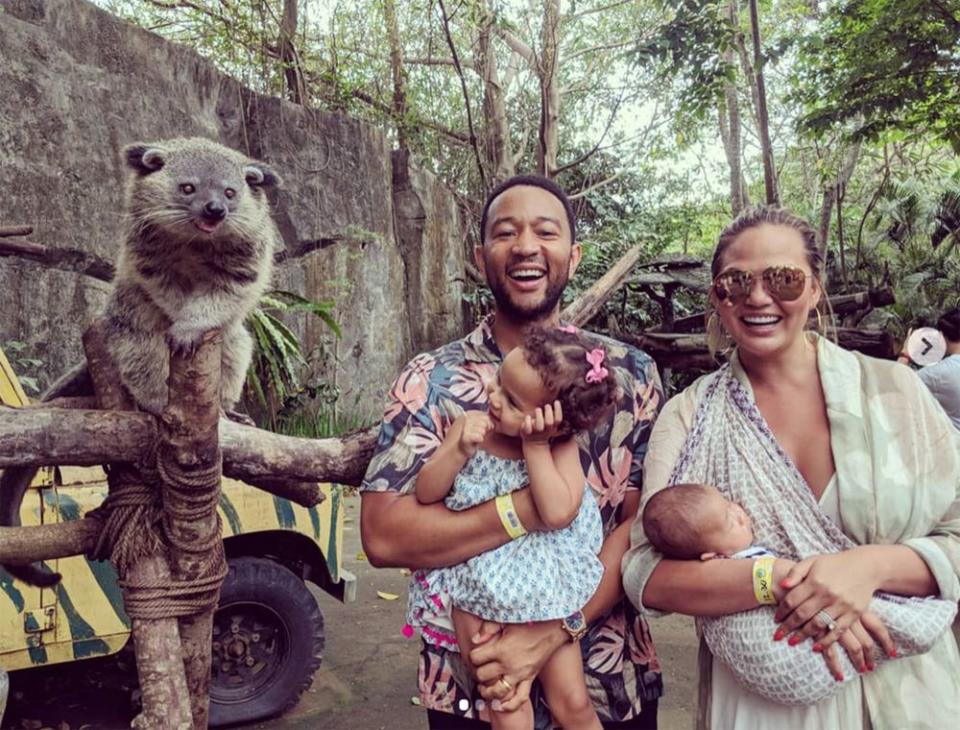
(686, 51)
(878, 65)
(28, 369)
(274, 373)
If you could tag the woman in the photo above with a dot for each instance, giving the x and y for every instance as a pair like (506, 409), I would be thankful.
(872, 447)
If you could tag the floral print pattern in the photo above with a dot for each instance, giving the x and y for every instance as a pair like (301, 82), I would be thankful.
(621, 665)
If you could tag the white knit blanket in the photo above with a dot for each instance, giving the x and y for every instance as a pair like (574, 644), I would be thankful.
(731, 447)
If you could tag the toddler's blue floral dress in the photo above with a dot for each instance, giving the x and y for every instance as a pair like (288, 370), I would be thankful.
(539, 576)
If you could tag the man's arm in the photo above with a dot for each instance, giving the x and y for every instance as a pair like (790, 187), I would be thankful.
(398, 531)
(521, 650)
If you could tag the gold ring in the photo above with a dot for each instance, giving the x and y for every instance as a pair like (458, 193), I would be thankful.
(506, 685)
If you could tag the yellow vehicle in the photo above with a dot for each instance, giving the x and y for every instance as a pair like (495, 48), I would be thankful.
(268, 630)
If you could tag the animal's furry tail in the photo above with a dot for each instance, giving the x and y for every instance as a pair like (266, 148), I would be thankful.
(16, 480)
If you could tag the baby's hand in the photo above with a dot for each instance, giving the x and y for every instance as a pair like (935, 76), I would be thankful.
(476, 425)
(543, 425)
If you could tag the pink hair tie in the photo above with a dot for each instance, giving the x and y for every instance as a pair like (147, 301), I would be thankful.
(597, 372)
(568, 328)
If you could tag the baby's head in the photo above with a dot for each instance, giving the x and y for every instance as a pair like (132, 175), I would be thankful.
(695, 521)
(553, 364)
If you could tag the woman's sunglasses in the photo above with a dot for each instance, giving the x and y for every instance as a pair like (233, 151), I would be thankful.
(784, 283)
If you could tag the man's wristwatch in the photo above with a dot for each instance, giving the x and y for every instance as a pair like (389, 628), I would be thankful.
(575, 625)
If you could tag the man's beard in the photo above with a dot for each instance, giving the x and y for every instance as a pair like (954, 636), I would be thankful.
(533, 312)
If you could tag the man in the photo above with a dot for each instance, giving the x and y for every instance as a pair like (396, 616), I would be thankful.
(528, 254)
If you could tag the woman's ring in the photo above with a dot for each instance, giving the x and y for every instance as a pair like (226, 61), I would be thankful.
(827, 620)
(506, 685)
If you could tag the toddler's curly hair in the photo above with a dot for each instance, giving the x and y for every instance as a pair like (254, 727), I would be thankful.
(560, 358)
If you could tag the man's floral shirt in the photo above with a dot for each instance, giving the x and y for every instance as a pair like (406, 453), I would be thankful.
(620, 662)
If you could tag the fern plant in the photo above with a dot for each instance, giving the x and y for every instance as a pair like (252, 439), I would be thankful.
(278, 358)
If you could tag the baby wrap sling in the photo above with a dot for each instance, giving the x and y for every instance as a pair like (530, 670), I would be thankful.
(731, 447)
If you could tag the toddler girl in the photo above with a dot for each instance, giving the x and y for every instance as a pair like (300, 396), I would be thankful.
(547, 389)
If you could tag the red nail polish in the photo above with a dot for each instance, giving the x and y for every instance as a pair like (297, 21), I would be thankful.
(794, 640)
(817, 648)
(893, 653)
(838, 677)
(871, 667)
(778, 635)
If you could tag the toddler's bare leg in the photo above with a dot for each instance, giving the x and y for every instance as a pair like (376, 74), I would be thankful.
(566, 690)
(466, 625)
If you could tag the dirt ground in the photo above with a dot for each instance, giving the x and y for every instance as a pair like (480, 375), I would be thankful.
(366, 681)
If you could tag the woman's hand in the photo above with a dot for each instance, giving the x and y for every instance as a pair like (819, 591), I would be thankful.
(837, 585)
(860, 642)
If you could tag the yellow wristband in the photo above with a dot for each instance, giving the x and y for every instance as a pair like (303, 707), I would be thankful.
(763, 580)
(509, 518)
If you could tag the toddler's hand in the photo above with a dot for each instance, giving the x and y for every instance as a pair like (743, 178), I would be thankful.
(543, 425)
(476, 425)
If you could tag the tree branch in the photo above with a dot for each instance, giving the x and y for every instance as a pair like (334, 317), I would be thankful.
(64, 259)
(466, 96)
(589, 303)
(22, 545)
(47, 437)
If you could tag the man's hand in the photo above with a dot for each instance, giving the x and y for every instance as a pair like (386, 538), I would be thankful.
(516, 653)
(476, 426)
(543, 424)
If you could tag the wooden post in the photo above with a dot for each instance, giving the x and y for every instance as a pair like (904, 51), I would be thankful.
(165, 697)
(190, 466)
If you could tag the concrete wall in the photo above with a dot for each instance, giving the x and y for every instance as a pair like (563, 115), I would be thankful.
(77, 84)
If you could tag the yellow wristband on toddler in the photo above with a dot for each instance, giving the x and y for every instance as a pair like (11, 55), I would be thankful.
(509, 518)
(763, 580)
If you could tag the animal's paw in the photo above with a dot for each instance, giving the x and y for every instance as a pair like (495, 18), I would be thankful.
(184, 336)
(238, 417)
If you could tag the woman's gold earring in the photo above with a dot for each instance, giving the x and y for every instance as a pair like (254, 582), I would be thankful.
(820, 328)
(718, 340)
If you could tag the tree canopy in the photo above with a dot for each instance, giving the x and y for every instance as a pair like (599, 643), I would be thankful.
(662, 119)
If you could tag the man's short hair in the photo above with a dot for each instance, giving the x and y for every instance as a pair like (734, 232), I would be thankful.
(949, 324)
(536, 181)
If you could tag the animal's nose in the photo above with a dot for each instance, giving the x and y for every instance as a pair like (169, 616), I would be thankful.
(214, 210)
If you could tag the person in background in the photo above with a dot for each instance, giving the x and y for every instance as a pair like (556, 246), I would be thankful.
(943, 378)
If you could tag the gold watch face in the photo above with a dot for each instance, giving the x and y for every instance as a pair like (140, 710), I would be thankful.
(575, 624)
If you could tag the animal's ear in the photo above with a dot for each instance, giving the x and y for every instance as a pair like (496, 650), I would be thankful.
(260, 175)
(144, 158)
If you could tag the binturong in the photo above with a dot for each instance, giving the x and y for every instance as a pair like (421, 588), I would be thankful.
(197, 256)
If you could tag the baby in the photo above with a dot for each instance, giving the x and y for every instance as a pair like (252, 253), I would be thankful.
(696, 522)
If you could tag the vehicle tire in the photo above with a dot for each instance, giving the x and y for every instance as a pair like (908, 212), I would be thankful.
(267, 642)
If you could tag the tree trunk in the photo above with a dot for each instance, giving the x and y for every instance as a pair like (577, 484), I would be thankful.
(832, 193)
(398, 74)
(729, 116)
(769, 169)
(549, 89)
(497, 148)
(292, 69)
